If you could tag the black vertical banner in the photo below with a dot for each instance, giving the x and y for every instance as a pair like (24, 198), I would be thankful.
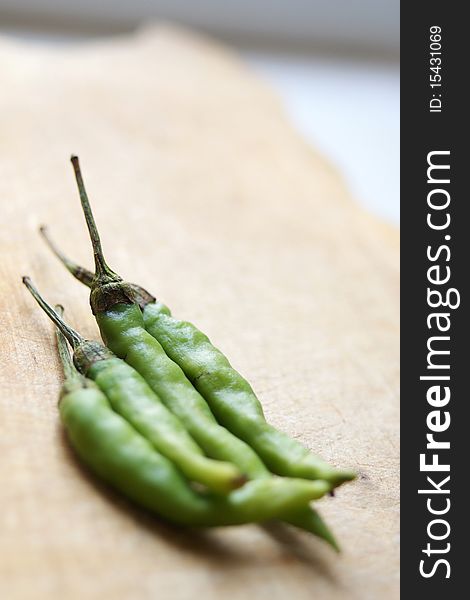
(435, 350)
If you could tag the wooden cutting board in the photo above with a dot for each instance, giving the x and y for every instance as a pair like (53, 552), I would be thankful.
(205, 195)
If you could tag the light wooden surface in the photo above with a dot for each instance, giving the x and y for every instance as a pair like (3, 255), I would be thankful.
(206, 196)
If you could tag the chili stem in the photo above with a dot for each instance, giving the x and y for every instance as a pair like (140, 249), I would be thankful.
(102, 272)
(80, 273)
(70, 372)
(73, 337)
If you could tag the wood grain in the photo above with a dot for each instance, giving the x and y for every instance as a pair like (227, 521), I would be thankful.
(205, 195)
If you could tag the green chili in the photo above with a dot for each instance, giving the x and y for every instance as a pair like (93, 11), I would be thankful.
(118, 453)
(115, 331)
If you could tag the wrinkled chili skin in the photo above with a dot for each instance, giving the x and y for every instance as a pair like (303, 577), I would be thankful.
(232, 399)
(122, 329)
(131, 397)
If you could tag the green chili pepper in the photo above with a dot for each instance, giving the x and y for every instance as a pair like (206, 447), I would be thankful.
(115, 331)
(117, 452)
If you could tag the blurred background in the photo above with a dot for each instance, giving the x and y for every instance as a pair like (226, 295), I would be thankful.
(333, 62)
